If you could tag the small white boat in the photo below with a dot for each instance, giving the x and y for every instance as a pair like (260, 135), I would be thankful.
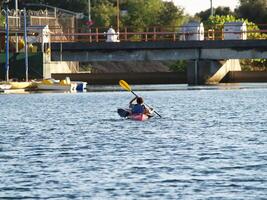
(42, 86)
(7, 89)
(51, 84)
(22, 85)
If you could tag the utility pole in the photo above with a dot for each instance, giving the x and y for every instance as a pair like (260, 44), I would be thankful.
(7, 40)
(211, 8)
(17, 24)
(26, 45)
(89, 19)
(89, 10)
(118, 15)
(16, 5)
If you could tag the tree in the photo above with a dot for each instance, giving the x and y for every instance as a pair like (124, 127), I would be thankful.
(171, 15)
(2, 20)
(104, 14)
(204, 15)
(142, 13)
(253, 10)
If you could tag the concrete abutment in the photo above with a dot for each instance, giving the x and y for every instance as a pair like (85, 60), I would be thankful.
(201, 72)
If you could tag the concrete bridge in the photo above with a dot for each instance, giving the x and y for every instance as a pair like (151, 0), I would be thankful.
(160, 50)
(210, 60)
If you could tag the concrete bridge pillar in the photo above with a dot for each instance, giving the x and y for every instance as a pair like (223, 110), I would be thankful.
(201, 72)
(52, 67)
(193, 72)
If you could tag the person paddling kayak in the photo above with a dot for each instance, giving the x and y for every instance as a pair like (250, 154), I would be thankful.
(137, 111)
(139, 107)
(125, 113)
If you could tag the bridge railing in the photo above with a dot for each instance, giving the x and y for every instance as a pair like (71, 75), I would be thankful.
(154, 33)
(95, 35)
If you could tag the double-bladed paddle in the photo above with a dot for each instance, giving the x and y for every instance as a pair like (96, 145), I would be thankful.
(127, 87)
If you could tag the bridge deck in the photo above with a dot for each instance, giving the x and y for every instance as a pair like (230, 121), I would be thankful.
(159, 50)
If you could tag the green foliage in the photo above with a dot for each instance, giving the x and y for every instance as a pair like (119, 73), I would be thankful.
(142, 13)
(218, 21)
(254, 64)
(2, 20)
(178, 66)
(104, 14)
(205, 15)
(171, 15)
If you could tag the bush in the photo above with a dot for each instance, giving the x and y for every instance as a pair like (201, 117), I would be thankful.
(178, 66)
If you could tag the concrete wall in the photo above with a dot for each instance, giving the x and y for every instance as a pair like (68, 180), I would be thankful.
(132, 78)
(245, 77)
(158, 77)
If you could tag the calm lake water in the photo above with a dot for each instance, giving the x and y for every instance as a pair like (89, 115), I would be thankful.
(210, 144)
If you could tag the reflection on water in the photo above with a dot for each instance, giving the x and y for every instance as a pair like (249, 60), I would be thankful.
(170, 87)
(154, 87)
(211, 143)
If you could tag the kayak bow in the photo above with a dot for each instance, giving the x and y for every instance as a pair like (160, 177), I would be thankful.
(125, 113)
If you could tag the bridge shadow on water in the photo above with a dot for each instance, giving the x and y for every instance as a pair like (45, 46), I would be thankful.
(178, 87)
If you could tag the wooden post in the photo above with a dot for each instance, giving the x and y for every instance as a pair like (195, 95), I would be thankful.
(154, 36)
(146, 34)
(96, 30)
(125, 34)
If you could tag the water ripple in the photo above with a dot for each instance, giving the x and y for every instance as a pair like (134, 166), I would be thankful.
(210, 144)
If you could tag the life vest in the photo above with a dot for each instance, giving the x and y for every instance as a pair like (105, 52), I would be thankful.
(137, 109)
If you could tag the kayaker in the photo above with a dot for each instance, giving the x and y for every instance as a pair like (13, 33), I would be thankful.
(139, 107)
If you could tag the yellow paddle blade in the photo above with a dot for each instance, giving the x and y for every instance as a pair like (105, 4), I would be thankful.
(125, 85)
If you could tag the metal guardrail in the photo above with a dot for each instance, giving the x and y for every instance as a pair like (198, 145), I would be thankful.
(129, 34)
(99, 35)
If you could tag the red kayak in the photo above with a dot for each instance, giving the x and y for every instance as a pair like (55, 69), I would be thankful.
(137, 117)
